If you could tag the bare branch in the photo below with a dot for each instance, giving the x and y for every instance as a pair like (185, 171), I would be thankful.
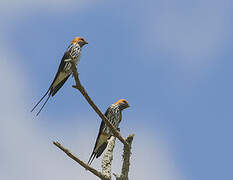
(92, 104)
(126, 157)
(108, 157)
(87, 167)
(126, 160)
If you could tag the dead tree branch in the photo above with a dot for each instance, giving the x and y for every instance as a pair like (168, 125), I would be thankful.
(87, 167)
(92, 104)
(108, 157)
(126, 159)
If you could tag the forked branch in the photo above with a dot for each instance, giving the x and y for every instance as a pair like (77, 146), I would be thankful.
(108, 156)
(126, 160)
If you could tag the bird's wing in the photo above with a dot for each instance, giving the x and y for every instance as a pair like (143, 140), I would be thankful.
(101, 141)
(60, 69)
(57, 87)
(53, 90)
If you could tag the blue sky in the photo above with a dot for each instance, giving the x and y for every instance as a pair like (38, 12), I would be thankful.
(172, 60)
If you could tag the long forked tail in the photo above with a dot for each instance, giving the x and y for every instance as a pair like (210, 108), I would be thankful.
(93, 155)
(43, 105)
(40, 100)
(97, 154)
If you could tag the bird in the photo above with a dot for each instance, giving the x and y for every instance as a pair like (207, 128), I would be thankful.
(72, 53)
(114, 115)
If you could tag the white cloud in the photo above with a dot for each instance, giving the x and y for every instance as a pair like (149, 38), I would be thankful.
(27, 153)
(151, 159)
(193, 32)
(14, 8)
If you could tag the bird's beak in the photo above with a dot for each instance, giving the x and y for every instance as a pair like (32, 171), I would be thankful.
(127, 105)
(85, 42)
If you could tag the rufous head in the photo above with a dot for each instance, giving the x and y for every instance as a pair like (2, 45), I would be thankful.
(122, 103)
(81, 41)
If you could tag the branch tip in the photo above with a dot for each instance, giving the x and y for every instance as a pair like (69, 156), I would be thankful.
(80, 162)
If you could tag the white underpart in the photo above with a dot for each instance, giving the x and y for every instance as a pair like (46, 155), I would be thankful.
(114, 117)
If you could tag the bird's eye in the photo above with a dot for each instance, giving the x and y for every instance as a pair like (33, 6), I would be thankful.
(82, 39)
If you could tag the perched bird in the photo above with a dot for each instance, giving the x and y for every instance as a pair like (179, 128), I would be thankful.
(113, 114)
(72, 53)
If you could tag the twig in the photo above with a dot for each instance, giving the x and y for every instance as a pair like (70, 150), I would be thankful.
(126, 160)
(92, 104)
(94, 171)
(108, 157)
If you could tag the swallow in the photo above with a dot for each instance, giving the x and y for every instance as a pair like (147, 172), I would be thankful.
(72, 53)
(114, 115)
